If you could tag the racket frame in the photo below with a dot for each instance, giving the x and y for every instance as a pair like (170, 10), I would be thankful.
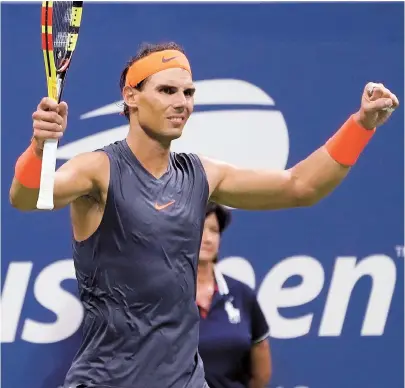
(55, 78)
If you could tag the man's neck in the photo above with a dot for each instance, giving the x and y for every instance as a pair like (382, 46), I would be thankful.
(152, 154)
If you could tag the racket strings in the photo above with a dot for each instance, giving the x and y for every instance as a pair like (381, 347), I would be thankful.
(61, 22)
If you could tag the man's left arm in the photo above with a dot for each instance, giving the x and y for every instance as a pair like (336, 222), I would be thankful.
(314, 177)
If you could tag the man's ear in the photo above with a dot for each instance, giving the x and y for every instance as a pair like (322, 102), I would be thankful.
(130, 96)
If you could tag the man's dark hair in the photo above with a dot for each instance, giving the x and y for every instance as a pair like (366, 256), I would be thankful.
(145, 50)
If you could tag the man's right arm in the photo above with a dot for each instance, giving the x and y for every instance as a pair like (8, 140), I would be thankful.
(78, 177)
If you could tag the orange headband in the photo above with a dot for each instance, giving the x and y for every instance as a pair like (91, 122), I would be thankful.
(154, 63)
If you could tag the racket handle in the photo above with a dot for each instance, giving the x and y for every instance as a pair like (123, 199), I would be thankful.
(45, 197)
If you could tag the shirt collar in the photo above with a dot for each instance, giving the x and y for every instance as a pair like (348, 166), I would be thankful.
(221, 282)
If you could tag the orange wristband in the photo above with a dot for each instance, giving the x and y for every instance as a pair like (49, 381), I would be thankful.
(346, 145)
(28, 168)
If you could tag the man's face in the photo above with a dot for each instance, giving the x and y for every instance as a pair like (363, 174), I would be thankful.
(165, 103)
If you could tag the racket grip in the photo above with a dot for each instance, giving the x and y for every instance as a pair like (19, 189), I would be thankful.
(45, 197)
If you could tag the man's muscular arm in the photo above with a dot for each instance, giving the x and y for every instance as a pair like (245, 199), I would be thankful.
(302, 185)
(78, 177)
(308, 181)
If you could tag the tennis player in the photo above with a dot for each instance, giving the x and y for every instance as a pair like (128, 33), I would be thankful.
(138, 210)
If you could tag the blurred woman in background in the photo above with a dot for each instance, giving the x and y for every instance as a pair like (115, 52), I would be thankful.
(233, 330)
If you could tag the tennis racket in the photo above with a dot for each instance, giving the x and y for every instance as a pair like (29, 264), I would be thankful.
(60, 23)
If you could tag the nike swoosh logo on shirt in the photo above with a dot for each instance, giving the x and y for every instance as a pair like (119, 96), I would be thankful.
(164, 206)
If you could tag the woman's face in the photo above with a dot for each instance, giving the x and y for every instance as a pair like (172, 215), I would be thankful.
(210, 239)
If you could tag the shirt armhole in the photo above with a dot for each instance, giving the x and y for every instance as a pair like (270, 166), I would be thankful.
(261, 338)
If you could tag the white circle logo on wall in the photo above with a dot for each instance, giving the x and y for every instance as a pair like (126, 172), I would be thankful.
(239, 125)
(238, 268)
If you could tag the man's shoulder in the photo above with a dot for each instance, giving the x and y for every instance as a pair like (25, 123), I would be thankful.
(186, 157)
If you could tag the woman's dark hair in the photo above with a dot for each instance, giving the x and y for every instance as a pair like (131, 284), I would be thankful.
(145, 50)
(223, 214)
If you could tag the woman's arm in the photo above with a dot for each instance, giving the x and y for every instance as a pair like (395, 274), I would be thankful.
(260, 357)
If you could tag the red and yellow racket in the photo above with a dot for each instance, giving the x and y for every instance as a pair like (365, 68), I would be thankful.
(60, 23)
